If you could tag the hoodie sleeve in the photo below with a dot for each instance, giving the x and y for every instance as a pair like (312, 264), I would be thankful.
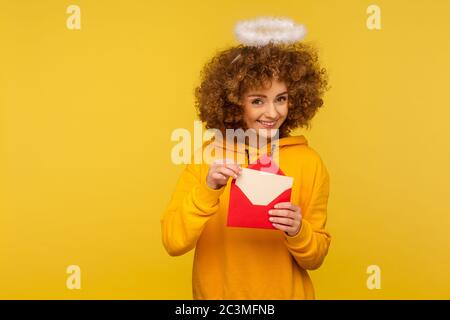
(192, 204)
(310, 245)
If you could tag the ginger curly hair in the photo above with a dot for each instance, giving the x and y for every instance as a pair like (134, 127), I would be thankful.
(232, 72)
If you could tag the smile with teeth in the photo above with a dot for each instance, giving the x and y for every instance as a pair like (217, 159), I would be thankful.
(268, 124)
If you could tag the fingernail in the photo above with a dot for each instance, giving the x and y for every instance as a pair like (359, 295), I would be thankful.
(271, 219)
(270, 211)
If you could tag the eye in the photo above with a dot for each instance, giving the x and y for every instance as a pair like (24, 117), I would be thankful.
(282, 98)
(256, 101)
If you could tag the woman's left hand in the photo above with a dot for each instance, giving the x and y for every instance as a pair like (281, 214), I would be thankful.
(286, 217)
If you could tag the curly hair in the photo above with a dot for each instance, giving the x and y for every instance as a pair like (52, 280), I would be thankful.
(232, 72)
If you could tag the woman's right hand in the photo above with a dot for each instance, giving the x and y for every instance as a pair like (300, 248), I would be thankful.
(219, 173)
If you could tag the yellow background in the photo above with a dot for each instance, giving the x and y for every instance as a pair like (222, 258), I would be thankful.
(86, 117)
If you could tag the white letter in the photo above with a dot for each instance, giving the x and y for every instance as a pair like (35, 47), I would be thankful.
(240, 135)
(274, 152)
(374, 280)
(374, 20)
(208, 156)
(198, 141)
(73, 21)
(74, 280)
(184, 146)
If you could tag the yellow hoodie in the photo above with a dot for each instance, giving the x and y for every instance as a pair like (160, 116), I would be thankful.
(248, 263)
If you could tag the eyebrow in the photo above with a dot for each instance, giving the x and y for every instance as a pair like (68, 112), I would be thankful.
(261, 95)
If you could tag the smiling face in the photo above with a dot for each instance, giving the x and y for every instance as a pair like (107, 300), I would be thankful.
(266, 108)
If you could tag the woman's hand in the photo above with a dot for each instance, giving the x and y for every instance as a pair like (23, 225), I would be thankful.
(219, 173)
(286, 217)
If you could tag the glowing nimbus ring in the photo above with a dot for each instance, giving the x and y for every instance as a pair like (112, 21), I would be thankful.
(261, 31)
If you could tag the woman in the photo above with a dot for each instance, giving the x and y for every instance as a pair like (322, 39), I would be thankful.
(270, 87)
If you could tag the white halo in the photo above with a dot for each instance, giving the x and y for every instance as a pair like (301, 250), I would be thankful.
(261, 31)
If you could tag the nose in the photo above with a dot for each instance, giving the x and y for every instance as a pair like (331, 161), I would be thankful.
(271, 111)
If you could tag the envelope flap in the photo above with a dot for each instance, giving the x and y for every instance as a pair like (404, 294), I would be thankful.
(261, 187)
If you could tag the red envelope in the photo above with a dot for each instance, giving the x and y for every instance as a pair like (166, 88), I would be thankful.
(255, 192)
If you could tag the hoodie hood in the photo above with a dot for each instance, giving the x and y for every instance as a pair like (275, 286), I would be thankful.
(253, 151)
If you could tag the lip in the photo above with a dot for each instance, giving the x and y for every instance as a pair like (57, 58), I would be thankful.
(268, 124)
